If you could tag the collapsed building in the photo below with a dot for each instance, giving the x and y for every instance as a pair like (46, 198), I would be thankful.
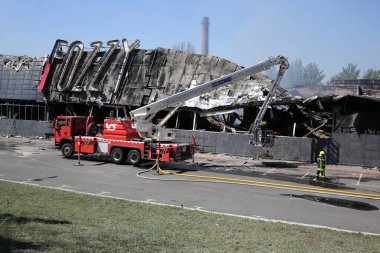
(74, 80)
(340, 87)
(124, 78)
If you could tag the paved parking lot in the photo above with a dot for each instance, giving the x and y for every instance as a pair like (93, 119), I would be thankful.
(37, 162)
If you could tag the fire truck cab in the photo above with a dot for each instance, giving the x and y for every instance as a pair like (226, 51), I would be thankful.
(66, 127)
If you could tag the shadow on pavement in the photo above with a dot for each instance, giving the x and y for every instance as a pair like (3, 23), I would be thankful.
(42, 179)
(357, 205)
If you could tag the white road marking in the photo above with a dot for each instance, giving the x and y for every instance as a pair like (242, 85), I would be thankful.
(199, 208)
(264, 197)
(257, 217)
(63, 186)
(268, 171)
(360, 177)
(150, 200)
(307, 173)
(205, 211)
(103, 193)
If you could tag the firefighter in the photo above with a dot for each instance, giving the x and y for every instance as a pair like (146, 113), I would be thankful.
(264, 125)
(321, 162)
(112, 114)
(265, 134)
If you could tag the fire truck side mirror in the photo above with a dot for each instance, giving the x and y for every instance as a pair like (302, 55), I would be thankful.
(56, 125)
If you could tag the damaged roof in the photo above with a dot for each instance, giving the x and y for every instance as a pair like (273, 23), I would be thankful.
(19, 78)
(349, 103)
(139, 76)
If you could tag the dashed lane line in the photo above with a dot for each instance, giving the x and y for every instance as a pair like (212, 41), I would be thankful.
(307, 173)
(360, 177)
(269, 171)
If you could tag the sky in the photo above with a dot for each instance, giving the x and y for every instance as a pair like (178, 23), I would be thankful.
(331, 33)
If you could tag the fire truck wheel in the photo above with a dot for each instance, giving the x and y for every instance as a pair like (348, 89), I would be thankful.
(117, 155)
(67, 150)
(133, 157)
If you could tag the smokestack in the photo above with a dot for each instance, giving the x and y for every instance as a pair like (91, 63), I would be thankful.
(204, 42)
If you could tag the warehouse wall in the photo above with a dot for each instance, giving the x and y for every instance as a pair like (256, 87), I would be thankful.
(25, 128)
(285, 148)
(358, 149)
(348, 149)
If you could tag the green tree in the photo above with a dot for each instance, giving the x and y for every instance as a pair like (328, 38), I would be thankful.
(351, 72)
(372, 74)
(294, 74)
(312, 75)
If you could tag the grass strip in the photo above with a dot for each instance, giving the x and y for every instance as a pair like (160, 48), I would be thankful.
(36, 219)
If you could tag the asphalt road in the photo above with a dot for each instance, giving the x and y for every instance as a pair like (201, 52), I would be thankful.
(39, 163)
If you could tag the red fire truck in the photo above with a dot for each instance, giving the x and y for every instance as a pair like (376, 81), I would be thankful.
(118, 141)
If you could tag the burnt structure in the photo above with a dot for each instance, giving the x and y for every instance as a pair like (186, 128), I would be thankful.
(134, 77)
(122, 76)
(350, 113)
(359, 86)
(19, 79)
(76, 80)
(340, 87)
(21, 102)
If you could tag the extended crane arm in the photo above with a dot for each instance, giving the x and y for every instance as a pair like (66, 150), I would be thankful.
(149, 130)
(208, 86)
(259, 136)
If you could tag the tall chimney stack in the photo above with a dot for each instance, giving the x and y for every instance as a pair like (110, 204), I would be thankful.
(204, 42)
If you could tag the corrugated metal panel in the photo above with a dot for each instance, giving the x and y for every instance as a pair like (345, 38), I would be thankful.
(20, 84)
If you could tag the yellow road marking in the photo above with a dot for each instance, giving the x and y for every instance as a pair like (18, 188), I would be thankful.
(350, 193)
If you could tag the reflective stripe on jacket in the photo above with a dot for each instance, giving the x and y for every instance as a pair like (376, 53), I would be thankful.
(321, 163)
